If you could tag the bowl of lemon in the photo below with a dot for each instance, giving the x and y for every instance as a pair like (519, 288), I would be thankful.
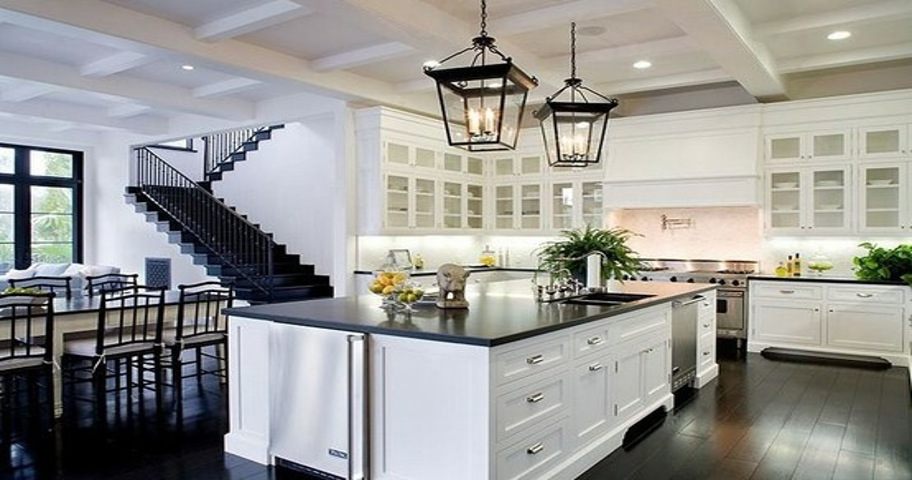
(388, 284)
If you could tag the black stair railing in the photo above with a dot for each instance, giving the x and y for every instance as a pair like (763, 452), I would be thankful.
(220, 148)
(239, 244)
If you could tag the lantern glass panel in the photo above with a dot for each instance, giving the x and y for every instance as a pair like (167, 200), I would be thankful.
(574, 136)
(482, 114)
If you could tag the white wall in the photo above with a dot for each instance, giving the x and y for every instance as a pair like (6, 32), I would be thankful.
(190, 163)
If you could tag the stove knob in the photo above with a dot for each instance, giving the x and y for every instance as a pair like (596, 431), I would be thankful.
(673, 279)
(644, 279)
(690, 280)
(712, 280)
(736, 283)
(721, 281)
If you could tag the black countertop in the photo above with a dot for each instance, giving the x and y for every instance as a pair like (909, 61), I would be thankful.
(498, 313)
(822, 279)
(469, 268)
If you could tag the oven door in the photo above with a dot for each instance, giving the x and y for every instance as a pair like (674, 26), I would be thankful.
(730, 313)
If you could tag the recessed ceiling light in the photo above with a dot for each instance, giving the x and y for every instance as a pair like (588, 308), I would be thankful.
(642, 64)
(839, 35)
(187, 67)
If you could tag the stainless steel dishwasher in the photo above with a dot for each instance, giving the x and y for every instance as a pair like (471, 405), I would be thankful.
(684, 341)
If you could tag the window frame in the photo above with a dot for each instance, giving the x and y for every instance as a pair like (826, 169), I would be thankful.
(22, 181)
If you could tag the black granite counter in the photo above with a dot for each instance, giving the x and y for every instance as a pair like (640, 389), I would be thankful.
(470, 268)
(821, 279)
(499, 313)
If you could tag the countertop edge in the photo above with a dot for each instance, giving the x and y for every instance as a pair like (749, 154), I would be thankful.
(825, 280)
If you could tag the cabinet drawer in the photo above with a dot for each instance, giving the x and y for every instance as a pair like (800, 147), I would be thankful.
(706, 351)
(866, 294)
(706, 324)
(524, 407)
(641, 325)
(534, 455)
(590, 340)
(789, 290)
(529, 359)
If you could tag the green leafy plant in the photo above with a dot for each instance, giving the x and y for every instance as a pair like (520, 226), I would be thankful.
(570, 252)
(882, 264)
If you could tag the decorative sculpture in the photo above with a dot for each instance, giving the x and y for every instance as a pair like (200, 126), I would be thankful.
(452, 282)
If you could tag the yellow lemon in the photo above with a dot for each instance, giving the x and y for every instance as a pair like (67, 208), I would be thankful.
(388, 289)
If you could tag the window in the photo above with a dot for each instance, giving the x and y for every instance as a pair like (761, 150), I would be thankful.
(40, 206)
(184, 144)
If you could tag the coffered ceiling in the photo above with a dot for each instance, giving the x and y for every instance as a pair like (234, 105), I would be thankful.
(120, 64)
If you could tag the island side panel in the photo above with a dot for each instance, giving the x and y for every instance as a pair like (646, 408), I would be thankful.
(430, 410)
(248, 389)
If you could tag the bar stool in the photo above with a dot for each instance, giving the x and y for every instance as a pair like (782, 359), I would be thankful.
(61, 286)
(26, 353)
(200, 324)
(129, 331)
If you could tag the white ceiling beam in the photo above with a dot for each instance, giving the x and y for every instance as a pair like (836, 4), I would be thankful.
(869, 12)
(79, 115)
(362, 56)
(225, 87)
(128, 110)
(721, 29)
(22, 93)
(160, 95)
(561, 15)
(653, 49)
(250, 20)
(105, 23)
(413, 86)
(688, 79)
(845, 59)
(117, 63)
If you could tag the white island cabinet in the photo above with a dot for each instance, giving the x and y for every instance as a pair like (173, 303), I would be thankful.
(550, 404)
(831, 316)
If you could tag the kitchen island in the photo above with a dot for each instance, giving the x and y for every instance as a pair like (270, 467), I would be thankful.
(507, 389)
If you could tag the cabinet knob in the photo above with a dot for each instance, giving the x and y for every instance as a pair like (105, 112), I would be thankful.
(706, 325)
(535, 398)
(705, 354)
(816, 309)
(595, 367)
(594, 340)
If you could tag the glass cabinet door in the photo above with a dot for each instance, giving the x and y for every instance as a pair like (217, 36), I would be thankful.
(425, 203)
(878, 142)
(530, 165)
(562, 206)
(503, 207)
(882, 197)
(829, 145)
(592, 204)
(830, 199)
(474, 206)
(475, 166)
(503, 167)
(785, 200)
(785, 147)
(531, 205)
(452, 162)
(452, 205)
(397, 201)
(397, 153)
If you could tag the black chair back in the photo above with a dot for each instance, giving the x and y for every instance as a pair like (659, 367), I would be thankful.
(98, 284)
(21, 318)
(200, 311)
(130, 316)
(57, 285)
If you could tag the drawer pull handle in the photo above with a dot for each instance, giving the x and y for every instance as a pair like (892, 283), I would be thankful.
(535, 360)
(864, 295)
(535, 398)
(787, 292)
(705, 354)
(595, 367)
(706, 325)
(535, 449)
(594, 341)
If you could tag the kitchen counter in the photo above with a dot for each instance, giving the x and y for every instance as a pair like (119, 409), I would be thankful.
(498, 313)
(822, 279)
(430, 272)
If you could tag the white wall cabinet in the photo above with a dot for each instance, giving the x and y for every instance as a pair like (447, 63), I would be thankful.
(809, 200)
(518, 207)
(840, 317)
(885, 142)
(410, 202)
(824, 145)
(576, 203)
(885, 201)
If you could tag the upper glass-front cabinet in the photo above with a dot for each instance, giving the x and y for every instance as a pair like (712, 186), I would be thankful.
(520, 165)
(809, 201)
(884, 142)
(397, 153)
(885, 201)
(824, 145)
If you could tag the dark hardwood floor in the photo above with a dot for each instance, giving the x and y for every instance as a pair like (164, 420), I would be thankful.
(761, 420)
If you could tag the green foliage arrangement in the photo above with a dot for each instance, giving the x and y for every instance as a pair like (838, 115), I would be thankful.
(881, 264)
(577, 243)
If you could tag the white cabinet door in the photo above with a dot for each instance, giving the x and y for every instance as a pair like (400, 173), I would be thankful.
(628, 382)
(530, 206)
(453, 205)
(563, 197)
(809, 146)
(785, 204)
(794, 322)
(592, 204)
(593, 408)
(865, 327)
(829, 204)
(656, 370)
(883, 198)
(887, 141)
(788, 147)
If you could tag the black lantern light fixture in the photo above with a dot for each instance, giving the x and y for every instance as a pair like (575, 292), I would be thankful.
(482, 103)
(574, 120)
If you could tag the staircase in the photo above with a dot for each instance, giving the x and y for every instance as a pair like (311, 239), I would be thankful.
(224, 241)
(222, 150)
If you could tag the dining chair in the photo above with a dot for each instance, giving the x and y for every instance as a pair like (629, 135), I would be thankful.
(96, 284)
(200, 323)
(61, 286)
(26, 361)
(128, 332)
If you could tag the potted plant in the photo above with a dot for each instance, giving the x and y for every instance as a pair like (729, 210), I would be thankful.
(570, 252)
(881, 264)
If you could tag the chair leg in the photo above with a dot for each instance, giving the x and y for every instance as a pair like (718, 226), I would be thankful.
(158, 384)
(6, 421)
(99, 382)
(199, 366)
(49, 393)
(177, 379)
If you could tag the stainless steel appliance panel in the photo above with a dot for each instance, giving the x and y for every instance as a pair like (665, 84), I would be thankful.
(318, 415)
(684, 341)
(730, 317)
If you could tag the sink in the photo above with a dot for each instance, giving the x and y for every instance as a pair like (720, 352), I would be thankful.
(607, 298)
